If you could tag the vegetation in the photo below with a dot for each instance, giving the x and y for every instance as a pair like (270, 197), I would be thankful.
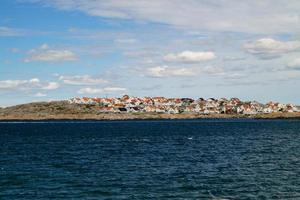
(64, 110)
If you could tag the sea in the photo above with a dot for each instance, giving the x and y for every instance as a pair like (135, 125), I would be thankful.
(155, 159)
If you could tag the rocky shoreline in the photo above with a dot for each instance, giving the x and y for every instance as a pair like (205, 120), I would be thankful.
(62, 110)
(131, 104)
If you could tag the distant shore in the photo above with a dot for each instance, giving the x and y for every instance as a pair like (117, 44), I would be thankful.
(121, 117)
(64, 111)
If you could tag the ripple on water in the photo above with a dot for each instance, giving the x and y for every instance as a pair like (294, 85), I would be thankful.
(188, 159)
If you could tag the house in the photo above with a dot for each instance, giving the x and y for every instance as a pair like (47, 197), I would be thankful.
(268, 110)
(211, 103)
(122, 109)
(160, 109)
(125, 98)
(159, 100)
(291, 108)
(133, 109)
(187, 101)
(178, 105)
(228, 109)
(235, 101)
(223, 100)
(199, 108)
(189, 109)
(87, 100)
(172, 110)
(248, 109)
(149, 108)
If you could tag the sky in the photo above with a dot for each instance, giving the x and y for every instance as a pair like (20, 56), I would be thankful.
(59, 49)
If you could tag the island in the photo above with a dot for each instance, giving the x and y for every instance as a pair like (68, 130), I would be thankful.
(134, 108)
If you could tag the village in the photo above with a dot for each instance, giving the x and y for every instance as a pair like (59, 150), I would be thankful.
(183, 105)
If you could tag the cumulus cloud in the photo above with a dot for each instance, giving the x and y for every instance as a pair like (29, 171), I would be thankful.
(166, 71)
(270, 48)
(46, 54)
(33, 83)
(253, 16)
(89, 90)
(39, 94)
(50, 86)
(114, 89)
(294, 64)
(12, 84)
(82, 80)
(190, 56)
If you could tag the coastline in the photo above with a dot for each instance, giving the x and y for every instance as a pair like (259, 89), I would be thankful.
(141, 116)
(63, 111)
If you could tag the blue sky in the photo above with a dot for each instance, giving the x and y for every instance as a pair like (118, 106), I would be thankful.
(58, 49)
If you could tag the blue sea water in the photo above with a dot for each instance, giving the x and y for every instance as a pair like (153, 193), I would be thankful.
(179, 159)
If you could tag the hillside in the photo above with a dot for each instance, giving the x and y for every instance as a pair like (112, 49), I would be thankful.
(59, 110)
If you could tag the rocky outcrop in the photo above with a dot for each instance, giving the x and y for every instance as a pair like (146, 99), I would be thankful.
(63, 110)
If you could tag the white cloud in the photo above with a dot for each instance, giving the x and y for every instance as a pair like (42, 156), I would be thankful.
(39, 94)
(89, 90)
(82, 80)
(166, 71)
(51, 86)
(158, 71)
(191, 56)
(114, 89)
(30, 84)
(44, 46)
(12, 84)
(270, 48)
(44, 53)
(294, 64)
(34, 80)
(253, 16)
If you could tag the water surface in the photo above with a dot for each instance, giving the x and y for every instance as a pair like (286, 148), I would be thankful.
(181, 159)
